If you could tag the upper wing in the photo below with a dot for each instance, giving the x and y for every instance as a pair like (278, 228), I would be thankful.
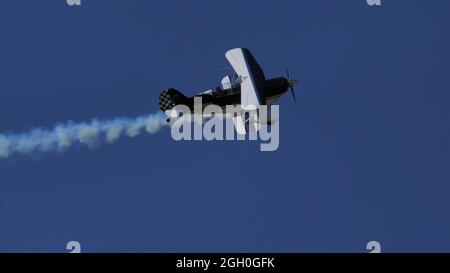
(253, 79)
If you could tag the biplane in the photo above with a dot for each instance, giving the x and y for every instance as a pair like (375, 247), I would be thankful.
(248, 90)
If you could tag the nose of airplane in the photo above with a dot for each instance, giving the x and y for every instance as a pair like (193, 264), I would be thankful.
(292, 82)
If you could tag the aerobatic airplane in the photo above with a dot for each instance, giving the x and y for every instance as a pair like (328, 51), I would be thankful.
(247, 91)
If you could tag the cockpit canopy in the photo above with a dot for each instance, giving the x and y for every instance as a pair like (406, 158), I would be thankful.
(226, 88)
(226, 83)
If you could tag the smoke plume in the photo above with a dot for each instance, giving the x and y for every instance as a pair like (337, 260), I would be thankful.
(65, 135)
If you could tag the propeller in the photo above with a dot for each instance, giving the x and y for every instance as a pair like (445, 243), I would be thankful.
(291, 82)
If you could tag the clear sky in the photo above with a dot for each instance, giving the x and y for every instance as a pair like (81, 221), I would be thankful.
(364, 153)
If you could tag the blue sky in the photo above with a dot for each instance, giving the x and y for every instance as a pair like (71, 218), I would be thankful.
(364, 153)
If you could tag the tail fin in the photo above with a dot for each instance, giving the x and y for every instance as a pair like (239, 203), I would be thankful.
(169, 98)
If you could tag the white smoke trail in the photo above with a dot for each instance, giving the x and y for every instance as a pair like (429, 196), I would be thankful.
(91, 134)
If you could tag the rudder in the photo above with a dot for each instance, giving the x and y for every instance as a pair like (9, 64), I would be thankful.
(169, 98)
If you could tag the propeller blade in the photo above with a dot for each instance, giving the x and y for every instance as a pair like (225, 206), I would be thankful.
(291, 83)
(293, 94)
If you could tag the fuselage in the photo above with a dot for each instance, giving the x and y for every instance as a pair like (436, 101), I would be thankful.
(273, 89)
